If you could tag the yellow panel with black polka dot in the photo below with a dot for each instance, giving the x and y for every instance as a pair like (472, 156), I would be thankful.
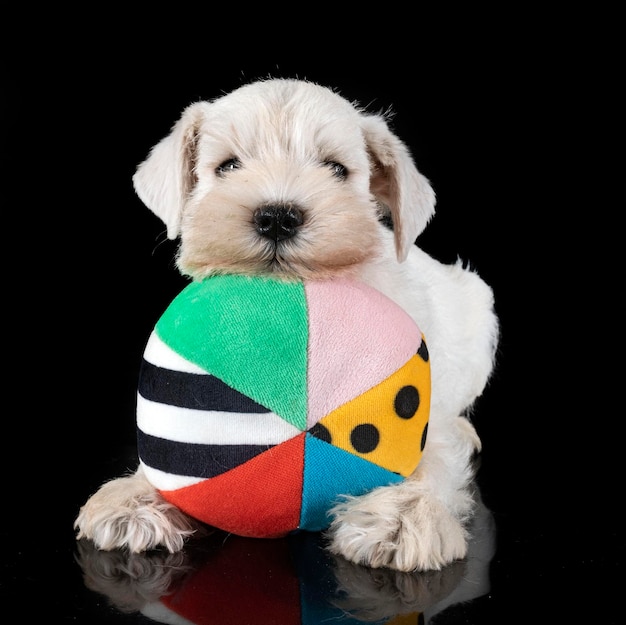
(388, 424)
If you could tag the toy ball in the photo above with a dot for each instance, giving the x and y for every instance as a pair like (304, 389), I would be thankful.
(263, 402)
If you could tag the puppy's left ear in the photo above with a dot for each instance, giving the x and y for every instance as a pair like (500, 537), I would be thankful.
(397, 184)
(164, 180)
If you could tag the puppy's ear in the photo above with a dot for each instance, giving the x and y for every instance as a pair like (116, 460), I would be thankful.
(397, 184)
(164, 180)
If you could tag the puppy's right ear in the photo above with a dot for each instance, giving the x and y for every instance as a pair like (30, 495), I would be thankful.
(164, 180)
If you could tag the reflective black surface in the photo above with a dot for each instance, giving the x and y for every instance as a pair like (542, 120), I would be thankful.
(523, 195)
(227, 579)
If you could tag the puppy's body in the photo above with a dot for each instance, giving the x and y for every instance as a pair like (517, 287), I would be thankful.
(286, 177)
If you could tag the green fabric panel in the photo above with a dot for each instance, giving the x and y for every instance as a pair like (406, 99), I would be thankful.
(250, 332)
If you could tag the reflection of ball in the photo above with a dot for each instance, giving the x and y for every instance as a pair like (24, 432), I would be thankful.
(261, 401)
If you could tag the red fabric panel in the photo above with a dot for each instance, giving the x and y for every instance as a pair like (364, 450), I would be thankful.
(260, 498)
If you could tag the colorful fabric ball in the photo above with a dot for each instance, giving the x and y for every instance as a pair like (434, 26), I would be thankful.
(261, 402)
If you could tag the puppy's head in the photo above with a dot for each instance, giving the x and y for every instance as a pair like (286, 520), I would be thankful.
(282, 176)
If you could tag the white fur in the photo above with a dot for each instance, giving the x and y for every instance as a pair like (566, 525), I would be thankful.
(286, 136)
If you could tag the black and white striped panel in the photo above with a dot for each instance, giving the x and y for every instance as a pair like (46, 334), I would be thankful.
(192, 426)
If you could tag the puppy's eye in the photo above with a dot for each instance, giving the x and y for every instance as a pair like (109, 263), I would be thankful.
(227, 166)
(337, 169)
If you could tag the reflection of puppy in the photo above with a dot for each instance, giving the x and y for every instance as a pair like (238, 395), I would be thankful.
(130, 581)
(286, 177)
(281, 578)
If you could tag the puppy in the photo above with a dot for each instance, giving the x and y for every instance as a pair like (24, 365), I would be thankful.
(288, 178)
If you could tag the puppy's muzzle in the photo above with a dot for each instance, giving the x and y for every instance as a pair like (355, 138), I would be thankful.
(278, 222)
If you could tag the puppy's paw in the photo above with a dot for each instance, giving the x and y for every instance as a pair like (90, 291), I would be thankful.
(127, 513)
(385, 528)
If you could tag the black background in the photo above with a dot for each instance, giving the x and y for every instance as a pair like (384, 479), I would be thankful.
(519, 128)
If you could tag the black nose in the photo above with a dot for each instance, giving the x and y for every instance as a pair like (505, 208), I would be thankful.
(277, 221)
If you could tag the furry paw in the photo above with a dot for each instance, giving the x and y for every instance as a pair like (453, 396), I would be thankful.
(398, 529)
(128, 513)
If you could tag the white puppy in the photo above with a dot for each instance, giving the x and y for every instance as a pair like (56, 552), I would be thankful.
(287, 177)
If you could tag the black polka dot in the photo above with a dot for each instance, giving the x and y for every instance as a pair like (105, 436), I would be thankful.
(422, 352)
(321, 431)
(365, 438)
(424, 435)
(407, 402)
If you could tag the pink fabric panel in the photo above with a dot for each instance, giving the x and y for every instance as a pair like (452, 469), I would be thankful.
(357, 338)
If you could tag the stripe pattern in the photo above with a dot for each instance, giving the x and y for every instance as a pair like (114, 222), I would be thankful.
(192, 426)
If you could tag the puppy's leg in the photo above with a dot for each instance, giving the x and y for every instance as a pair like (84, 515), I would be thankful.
(418, 524)
(129, 513)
